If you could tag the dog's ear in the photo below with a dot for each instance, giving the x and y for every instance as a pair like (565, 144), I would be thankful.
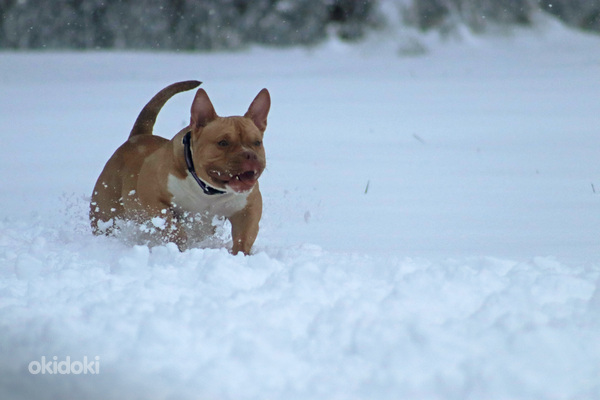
(202, 110)
(259, 109)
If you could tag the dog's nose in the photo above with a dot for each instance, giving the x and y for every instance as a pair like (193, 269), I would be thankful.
(250, 156)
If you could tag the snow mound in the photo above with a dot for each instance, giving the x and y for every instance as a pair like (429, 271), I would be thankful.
(289, 323)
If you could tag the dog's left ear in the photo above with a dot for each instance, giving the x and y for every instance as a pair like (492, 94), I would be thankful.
(259, 109)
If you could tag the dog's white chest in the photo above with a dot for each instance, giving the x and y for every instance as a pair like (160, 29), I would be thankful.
(189, 197)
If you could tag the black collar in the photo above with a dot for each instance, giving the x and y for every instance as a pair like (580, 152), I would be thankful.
(187, 151)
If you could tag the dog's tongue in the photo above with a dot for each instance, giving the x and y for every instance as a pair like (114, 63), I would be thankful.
(243, 182)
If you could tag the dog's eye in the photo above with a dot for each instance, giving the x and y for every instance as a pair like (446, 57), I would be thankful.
(258, 143)
(223, 143)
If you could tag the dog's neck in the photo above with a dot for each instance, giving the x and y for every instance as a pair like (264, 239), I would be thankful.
(189, 162)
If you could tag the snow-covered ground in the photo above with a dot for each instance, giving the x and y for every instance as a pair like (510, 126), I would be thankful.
(431, 228)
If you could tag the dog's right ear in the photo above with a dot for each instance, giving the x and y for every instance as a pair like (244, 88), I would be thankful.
(203, 111)
(259, 110)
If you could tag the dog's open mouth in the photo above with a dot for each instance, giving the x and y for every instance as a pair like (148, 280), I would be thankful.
(242, 182)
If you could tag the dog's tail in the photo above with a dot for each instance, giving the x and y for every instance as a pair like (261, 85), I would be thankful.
(145, 121)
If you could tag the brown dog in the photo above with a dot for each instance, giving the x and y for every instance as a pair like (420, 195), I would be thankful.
(210, 168)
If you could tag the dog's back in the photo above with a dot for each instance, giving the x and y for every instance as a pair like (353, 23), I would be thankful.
(107, 198)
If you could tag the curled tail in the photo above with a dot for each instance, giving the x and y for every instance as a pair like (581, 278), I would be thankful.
(145, 121)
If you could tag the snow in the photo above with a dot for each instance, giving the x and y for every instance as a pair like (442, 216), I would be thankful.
(430, 227)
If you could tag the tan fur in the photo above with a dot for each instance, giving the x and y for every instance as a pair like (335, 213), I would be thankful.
(147, 177)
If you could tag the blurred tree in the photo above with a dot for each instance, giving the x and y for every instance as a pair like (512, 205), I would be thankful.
(285, 22)
(231, 24)
(353, 17)
(204, 24)
(584, 14)
(476, 14)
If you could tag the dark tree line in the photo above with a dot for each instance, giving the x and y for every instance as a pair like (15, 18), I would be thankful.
(178, 24)
(230, 24)
(478, 14)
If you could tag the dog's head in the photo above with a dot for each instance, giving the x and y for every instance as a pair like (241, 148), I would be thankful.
(228, 152)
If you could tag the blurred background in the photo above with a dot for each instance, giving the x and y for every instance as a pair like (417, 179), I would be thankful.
(187, 25)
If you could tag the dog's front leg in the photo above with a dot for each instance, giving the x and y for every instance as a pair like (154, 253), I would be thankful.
(174, 231)
(168, 226)
(244, 224)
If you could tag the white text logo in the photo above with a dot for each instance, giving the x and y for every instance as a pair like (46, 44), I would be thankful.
(65, 366)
